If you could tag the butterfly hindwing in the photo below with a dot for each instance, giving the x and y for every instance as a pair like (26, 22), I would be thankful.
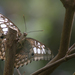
(32, 50)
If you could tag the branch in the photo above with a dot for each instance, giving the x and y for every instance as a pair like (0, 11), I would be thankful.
(65, 37)
(54, 64)
(10, 46)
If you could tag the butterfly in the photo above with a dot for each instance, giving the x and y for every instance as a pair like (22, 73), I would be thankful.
(28, 49)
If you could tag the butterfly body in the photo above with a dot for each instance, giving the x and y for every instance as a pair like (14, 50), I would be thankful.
(28, 49)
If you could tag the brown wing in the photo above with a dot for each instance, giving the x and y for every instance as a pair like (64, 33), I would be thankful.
(4, 24)
(32, 50)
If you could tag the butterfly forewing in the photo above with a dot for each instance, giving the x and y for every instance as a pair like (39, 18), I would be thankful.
(32, 50)
(4, 24)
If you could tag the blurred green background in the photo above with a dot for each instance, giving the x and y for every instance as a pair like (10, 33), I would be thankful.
(47, 15)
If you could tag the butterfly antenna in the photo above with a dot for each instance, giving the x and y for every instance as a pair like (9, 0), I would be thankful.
(26, 27)
(35, 31)
(25, 23)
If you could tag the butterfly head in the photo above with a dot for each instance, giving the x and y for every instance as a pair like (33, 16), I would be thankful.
(24, 34)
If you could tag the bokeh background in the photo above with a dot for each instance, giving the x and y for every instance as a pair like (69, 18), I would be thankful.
(47, 15)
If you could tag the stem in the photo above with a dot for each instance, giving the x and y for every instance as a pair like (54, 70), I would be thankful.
(66, 32)
(10, 46)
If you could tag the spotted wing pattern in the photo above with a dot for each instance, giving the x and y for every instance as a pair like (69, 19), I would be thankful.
(4, 24)
(32, 50)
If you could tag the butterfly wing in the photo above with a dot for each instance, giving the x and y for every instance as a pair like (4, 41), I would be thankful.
(4, 24)
(32, 50)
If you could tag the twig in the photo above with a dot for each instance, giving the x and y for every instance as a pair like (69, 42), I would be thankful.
(74, 73)
(18, 71)
(72, 46)
(10, 46)
(71, 49)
